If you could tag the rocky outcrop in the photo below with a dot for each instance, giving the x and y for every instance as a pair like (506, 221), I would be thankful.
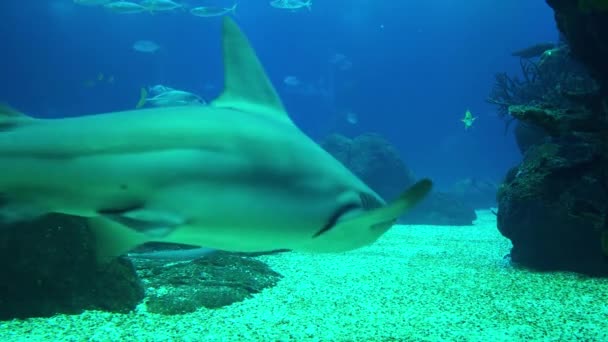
(553, 208)
(475, 193)
(528, 135)
(213, 281)
(378, 164)
(441, 209)
(374, 160)
(584, 24)
(49, 267)
(554, 205)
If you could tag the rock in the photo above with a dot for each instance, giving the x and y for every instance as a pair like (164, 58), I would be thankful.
(214, 281)
(475, 193)
(553, 208)
(374, 160)
(585, 29)
(528, 135)
(49, 267)
(558, 121)
(440, 209)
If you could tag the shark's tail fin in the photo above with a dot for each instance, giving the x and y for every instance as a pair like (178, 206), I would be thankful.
(232, 10)
(143, 96)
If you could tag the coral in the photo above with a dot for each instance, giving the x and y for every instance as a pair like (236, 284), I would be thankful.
(554, 79)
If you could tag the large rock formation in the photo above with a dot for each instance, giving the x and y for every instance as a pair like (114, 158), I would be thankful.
(554, 205)
(213, 281)
(49, 267)
(374, 160)
(476, 193)
(553, 208)
(377, 163)
(584, 24)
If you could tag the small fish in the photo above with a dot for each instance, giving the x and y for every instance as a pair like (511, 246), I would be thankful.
(174, 254)
(157, 89)
(533, 51)
(291, 81)
(91, 2)
(291, 4)
(209, 86)
(341, 62)
(146, 46)
(352, 118)
(170, 98)
(90, 83)
(125, 7)
(212, 11)
(160, 5)
(468, 119)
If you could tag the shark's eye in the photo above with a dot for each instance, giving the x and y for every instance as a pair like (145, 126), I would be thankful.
(333, 219)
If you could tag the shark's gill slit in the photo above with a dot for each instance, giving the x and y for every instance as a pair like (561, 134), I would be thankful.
(333, 219)
(369, 201)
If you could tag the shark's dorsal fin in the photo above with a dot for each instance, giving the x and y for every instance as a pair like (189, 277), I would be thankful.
(247, 88)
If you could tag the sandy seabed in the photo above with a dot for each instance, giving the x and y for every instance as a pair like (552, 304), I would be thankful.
(417, 283)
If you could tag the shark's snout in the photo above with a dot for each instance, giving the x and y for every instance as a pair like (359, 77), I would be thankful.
(363, 202)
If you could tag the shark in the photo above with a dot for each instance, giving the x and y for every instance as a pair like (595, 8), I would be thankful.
(236, 175)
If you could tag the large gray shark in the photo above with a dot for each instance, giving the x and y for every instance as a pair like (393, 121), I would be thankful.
(236, 175)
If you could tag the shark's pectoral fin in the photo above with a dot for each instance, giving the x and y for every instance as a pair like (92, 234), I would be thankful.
(113, 239)
(117, 231)
(408, 199)
(247, 88)
(153, 223)
(10, 118)
(388, 214)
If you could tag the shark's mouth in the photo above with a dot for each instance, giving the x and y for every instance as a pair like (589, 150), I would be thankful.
(383, 226)
(333, 219)
(367, 202)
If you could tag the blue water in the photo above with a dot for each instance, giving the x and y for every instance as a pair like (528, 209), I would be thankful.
(416, 67)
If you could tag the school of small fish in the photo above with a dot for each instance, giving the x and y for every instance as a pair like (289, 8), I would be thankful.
(160, 96)
(155, 6)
